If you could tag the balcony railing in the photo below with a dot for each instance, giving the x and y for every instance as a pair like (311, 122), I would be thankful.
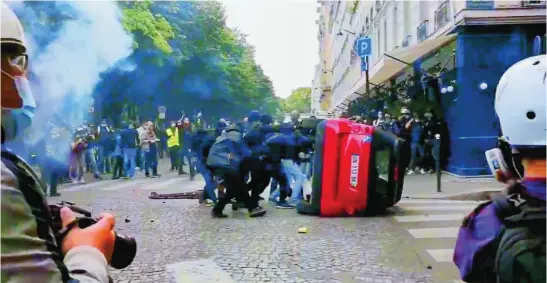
(422, 31)
(406, 41)
(534, 4)
(442, 15)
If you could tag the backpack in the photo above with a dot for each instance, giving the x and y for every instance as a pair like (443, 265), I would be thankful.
(225, 156)
(520, 255)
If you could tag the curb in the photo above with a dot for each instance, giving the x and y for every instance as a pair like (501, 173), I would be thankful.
(474, 196)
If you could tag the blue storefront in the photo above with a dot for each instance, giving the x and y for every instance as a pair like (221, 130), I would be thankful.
(466, 66)
(482, 55)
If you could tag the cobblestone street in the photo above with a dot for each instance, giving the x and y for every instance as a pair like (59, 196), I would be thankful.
(179, 241)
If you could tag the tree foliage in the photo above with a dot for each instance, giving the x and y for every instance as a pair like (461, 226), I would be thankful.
(299, 100)
(185, 58)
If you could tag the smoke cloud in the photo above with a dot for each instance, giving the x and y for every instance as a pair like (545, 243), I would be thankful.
(66, 61)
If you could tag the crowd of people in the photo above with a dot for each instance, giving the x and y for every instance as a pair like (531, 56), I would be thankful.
(420, 133)
(104, 149)
(502, 240)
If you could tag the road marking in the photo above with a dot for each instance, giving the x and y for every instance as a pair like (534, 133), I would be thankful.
(441, 255)
(436, 201)
(204, 270)
(425, 218)
(465, 207)
(161, 185)
(432, 233)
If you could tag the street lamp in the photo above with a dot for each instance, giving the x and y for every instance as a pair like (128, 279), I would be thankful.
(340, 32)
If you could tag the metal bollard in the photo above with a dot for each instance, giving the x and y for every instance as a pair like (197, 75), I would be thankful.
(437, 156)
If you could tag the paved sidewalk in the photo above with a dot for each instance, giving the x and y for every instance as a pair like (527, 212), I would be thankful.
(452, 187)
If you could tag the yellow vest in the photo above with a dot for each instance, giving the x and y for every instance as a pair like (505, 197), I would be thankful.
(173, 139)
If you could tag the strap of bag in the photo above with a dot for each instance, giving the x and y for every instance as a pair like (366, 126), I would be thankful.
(28, 181)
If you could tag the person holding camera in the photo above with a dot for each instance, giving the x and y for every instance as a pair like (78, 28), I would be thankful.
(29, 249)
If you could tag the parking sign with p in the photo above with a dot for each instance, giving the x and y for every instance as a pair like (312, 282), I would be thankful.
(364, 46)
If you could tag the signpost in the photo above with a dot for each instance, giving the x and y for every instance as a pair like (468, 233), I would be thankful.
(364, 50)
(161, 112)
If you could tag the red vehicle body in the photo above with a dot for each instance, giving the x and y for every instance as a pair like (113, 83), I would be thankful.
(358, 169)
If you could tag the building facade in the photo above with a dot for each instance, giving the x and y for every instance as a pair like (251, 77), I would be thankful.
(450, 53)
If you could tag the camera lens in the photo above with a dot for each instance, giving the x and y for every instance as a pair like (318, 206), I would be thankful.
(125, 250)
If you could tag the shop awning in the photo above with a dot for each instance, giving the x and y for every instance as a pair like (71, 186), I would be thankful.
(393, 62)
(390, 64)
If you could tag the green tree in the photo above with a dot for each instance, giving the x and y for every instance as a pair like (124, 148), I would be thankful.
(299, 100)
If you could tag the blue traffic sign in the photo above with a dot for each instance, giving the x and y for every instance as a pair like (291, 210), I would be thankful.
(364, 46)
(363, 64)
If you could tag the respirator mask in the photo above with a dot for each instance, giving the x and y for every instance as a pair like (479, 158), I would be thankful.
(18, 104)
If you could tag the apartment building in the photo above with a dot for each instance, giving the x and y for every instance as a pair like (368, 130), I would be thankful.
(454, 51)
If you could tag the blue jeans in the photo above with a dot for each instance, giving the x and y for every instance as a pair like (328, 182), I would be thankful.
(104, 162)
(185, 152)
(210, 183)
(90, 157)
(293, 172)
(129, 161)
(151, 159)
(415, 149)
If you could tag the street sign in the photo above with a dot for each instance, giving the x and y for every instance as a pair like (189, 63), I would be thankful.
(364, 46)
(364, 66)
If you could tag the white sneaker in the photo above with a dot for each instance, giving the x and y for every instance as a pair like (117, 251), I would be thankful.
(410, 172)
(422, 171)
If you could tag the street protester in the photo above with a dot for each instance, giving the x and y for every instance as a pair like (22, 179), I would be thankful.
(79, 146)
(104, 134)
(117, 157)
(89, 150)
(201, 145)
(173, 145)
(185, 143)
(503, 240)
(140, 153)
(130, 140)
(29, 250)
(149, 147)
(230, 158)
(416, 128)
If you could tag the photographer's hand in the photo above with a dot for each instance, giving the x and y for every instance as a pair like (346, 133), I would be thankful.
(100, 235)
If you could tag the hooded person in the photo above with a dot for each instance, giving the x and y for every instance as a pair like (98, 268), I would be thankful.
(29, 249)
(202, 142)
(230, 158)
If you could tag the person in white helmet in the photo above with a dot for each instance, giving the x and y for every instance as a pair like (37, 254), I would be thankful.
(503, 240)
(29, 250)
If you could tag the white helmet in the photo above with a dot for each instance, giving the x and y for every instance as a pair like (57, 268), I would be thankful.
(520, 103)
(12, 30)
(405, 110)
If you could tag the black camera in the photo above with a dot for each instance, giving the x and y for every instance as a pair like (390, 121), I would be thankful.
(125, 247)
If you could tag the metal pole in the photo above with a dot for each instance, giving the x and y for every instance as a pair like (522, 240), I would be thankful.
(367, 77)
(437, 150)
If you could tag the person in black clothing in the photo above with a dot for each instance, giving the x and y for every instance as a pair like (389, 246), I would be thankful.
(262, 172)
(201, 144)
(240, 159)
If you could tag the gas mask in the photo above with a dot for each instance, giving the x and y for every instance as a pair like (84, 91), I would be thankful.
(16, 120)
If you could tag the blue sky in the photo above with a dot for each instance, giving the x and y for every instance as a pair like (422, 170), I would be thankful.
(284, 35)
